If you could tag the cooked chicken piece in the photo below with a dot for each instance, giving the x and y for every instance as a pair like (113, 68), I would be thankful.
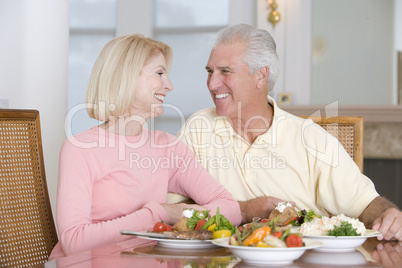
(200, 234)
(182, 226)
(288, 214)
(171, 234)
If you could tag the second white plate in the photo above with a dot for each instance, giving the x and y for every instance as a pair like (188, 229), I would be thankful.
(342, 243)
(268, 256)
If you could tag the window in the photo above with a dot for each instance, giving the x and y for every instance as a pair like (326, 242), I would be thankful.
(187, 26)
(92, 25)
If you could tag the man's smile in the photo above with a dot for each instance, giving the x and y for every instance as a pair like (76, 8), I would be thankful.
(222, 96)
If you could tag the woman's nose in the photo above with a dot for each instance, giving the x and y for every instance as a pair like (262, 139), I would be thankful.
(169, 85)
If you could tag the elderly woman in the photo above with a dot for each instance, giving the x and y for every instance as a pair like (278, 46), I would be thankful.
(117, 175)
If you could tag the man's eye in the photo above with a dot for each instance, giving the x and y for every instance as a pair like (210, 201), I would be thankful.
(160, 73)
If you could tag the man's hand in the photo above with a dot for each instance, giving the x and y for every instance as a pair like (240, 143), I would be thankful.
(259, 207)
(384, 216)
(389, 224)
(389, 254)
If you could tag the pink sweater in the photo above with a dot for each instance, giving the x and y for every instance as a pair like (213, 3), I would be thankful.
(109, 182)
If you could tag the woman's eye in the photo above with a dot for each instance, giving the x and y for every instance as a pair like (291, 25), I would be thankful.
(160, 73)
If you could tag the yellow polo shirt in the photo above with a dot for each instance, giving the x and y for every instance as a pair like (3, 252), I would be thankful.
(295, 160)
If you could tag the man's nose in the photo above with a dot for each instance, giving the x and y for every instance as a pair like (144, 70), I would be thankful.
(214, 81)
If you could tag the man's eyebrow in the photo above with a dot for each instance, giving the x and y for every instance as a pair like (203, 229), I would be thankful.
(225, 68)
(219, 68)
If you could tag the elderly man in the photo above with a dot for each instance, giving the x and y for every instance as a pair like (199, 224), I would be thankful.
(264, 155)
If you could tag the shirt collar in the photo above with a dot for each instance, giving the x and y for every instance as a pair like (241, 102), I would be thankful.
(223, 127)
(273, 136)
(276, 132)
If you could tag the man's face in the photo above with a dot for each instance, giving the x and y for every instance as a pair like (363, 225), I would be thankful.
(229, 82)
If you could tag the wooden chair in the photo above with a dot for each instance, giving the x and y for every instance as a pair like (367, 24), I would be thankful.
(27, 230)
(348, 130)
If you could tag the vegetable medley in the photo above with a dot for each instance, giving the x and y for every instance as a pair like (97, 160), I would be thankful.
(266, 234)
(275, 232)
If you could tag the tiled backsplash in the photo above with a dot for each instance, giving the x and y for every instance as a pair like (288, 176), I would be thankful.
(382, 140)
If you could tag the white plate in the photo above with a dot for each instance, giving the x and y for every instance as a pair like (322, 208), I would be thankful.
(264, 256)
(171, 242)
(342, 243)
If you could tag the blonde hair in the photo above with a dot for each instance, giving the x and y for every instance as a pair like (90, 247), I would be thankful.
(115, 72)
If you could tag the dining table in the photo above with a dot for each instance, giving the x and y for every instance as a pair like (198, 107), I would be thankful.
(139, 252)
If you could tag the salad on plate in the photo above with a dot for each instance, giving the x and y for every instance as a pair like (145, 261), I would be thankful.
(338, 233)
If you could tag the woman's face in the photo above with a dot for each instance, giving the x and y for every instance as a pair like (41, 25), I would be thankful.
(151, 88)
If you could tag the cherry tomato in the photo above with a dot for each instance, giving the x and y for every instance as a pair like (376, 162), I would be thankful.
(277, 234)
(294, 241)
(264, 220)
(159, 227)
(168, 227)
(200, 223)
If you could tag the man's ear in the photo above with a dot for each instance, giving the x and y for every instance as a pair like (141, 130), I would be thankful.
(262, 76)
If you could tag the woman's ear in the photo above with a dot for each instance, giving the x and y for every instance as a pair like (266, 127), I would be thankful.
(262, 77)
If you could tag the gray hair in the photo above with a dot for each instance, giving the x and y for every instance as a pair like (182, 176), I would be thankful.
(260, 48)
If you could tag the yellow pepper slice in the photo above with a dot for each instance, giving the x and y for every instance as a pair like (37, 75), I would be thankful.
(211, 227)
(221, 233)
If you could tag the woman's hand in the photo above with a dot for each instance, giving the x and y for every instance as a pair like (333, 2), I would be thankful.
(175, 211)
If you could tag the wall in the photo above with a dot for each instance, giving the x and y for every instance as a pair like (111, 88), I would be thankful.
(353, 55)
(294, 33)
(293, 41)
(33, 69)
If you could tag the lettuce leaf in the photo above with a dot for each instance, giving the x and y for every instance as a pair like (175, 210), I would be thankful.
(304, 216)
(224, 224)
(192, 222)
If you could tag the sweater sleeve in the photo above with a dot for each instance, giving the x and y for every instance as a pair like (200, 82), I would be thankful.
(77, 230)
(190, 179)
